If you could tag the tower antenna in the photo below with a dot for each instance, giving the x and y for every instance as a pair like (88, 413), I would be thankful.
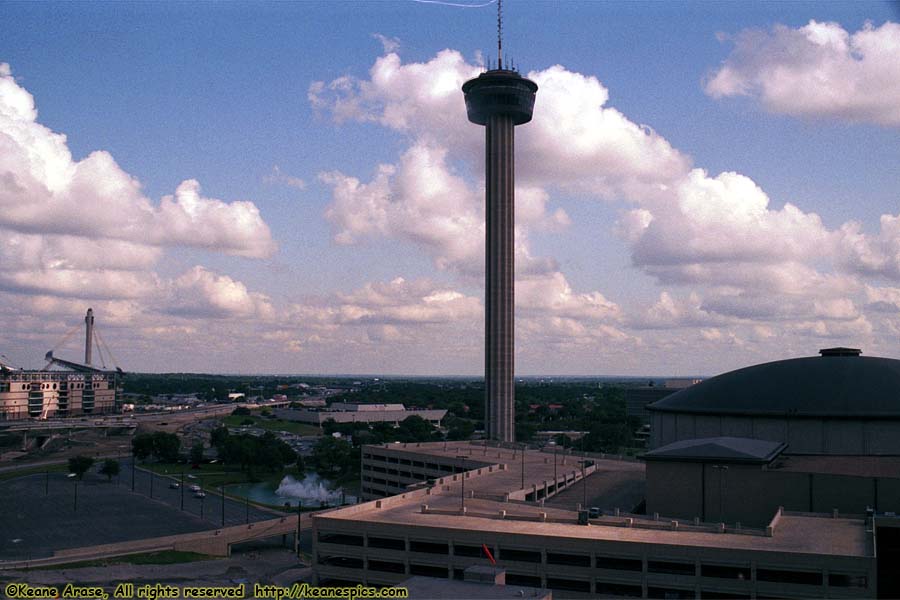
(499, 34)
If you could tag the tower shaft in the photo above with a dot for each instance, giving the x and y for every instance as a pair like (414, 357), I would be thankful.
(88, 335)
(499, 278)
(499, 99)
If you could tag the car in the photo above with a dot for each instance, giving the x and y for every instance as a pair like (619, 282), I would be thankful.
(200, 494)
(174, 485)
(594, 512)
(195, 488)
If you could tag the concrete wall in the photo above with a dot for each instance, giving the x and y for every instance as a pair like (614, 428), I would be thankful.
(803, 436)
(751, 495)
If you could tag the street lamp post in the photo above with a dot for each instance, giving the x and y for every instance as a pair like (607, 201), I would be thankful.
(222, 491)
(182, 489)
(299, 518)
(462, 493)
(246, 506)
(523, 466)
(555, 480)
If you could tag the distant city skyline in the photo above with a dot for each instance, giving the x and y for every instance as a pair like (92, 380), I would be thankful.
(255, 187)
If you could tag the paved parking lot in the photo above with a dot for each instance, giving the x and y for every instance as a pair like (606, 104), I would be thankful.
(39, 514)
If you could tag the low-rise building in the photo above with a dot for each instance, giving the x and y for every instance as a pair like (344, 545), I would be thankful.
(483, 496)
(343, 412)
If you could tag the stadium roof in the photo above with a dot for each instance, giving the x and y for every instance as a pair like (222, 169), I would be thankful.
(839, 384)
(727, 449)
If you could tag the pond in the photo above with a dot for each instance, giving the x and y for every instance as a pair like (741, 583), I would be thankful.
(312, 491)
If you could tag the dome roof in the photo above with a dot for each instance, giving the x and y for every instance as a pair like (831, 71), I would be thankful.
(840, 383)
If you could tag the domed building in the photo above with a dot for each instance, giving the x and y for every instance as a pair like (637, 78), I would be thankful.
(839, 403)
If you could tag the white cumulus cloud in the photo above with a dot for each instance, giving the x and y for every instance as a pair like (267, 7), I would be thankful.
(818, 70)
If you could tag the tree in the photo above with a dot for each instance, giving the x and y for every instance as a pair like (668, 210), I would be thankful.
(241, 411)
(110, 468)
(562, 440)
(459, 429)
(197, 453)
(333, 456)
(166, 446)
(80, 465)
(414, 429)
(218, 436)
(142, 445)
(266, 452)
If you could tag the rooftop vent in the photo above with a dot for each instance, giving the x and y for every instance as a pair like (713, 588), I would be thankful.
(840, 351)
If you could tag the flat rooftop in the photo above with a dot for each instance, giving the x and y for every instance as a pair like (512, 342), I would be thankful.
(540, 467)
(795, 533)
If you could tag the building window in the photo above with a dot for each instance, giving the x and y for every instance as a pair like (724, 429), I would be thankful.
(572, 560)
(340, 538)
(725, 572)
(780, 576)
(619, 564)
(520, 555)
(428, 547)
(669, 593)
(606, 588)
(387, 543)
(341, 561)
(468, 551)
(670, 568)
(845, 580)
(526, 580)
(571, 585)
(428, 570)
(386, 566)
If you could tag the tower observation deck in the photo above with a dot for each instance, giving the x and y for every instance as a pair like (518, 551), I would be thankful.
(499, 99)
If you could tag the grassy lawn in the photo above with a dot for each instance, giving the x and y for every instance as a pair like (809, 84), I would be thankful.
(33, 471)
(212, 476)
(207, 475)
(272, 424)
(166, 557)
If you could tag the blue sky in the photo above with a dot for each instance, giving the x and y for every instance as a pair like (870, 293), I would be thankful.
(325, 268)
